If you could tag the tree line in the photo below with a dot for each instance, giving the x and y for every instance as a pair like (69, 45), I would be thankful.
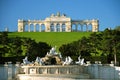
(21, 46)
(105, 44)
(99, 44)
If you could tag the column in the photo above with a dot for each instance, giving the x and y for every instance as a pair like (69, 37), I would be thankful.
(21, 25)
(76, 27)
(92, 28)
(40, 28)
(60, 27)
(55, 27)
(86, 27)
(47, 27)
(34, 27)
(95, 25)
(28, 27)
(81, 28)
(67, 26)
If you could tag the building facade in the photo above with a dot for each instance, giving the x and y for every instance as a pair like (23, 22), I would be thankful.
(58, 23)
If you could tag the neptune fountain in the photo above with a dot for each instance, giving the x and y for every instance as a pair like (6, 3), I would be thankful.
(51, 58)
(52, 67)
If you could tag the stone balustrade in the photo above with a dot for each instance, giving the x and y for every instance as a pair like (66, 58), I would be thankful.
(53, 69)
(94, 71)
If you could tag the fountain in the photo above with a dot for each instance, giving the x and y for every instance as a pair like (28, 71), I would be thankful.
(52, 67)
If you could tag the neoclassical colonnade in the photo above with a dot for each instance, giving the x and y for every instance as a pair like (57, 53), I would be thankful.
(88, 25)
(57, 23)
(42, 26)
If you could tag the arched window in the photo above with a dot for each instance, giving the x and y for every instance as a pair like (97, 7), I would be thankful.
(90, 28)
(84, 27)
(79, 28)
(42, 28)
(58, 28)
(52, 28)
(26, 29)
(63, 27)
(73, 28)
(31, 27)
(37, 27)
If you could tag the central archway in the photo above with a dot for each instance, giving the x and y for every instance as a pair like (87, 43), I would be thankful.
(58, 28)
(63, 27)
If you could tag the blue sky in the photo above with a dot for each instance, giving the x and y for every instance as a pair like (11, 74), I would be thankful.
(106, 11)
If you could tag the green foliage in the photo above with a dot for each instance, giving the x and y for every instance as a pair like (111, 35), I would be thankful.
(16, 46)
(117, 28)
(3, 43)
(106, 43)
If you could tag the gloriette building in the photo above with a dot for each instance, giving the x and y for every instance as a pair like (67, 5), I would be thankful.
(58, 23)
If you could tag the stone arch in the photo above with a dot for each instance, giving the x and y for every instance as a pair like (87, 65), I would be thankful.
(52, 28)
(89, 27)
(37, 27)
(79, 28)
(63, 27)
(73, 29)
(31, 27)
(42, 27)
(58, 27)
(84, 27)
(26, 27)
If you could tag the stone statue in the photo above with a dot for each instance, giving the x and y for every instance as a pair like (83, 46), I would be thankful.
(58, 14)
(68, 61)
(25, 61)
(60, 55)
(80, 61)
(38, 61)
(52, 51)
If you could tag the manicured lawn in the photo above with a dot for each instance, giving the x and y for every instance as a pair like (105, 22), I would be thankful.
(52, 38)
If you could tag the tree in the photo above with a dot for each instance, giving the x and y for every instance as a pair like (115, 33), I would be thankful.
(76, 48)
(29, 48)
(34, 49)
(110, 43)
(115, 42)
(84, 47)
(94, 41)
(65, 50)
(3, 43)
(15, 47)
(42, 48)
(117, 28)
(4, 38)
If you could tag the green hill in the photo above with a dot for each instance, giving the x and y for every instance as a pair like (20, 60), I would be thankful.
(52, 38)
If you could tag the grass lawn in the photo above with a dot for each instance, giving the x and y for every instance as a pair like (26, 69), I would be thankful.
(52, 38)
